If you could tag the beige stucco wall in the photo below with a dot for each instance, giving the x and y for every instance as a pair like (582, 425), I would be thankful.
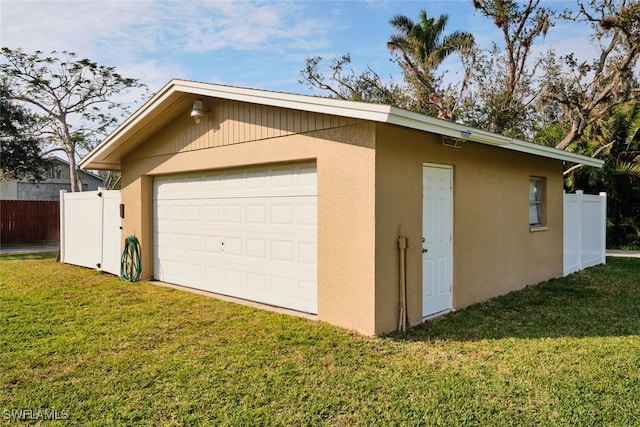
(494, 250)
(369, 183)
(346, 194)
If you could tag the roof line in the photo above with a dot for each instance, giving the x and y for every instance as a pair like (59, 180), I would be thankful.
(352, 109)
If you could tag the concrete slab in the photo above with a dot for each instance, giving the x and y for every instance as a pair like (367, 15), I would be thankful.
(626, 254)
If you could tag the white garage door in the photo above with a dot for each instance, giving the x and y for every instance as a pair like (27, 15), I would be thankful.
(248, 233)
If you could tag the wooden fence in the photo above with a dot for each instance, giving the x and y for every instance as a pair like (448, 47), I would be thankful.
(29, 220)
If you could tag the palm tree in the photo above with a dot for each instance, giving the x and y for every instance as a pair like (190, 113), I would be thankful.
(616, 140)
(422, 48)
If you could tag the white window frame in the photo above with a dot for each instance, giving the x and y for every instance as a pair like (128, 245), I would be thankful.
(536, 202)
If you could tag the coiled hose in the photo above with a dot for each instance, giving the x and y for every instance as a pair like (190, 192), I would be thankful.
(130, 267)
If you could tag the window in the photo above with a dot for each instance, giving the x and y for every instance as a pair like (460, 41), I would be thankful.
(536, 201)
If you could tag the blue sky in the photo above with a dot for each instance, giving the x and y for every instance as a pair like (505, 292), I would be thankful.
(259, 44)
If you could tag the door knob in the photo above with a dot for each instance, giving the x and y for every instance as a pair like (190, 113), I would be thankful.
(424, 251)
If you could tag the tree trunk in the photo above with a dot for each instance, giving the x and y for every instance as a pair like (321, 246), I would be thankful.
(577, 128)
(74, 176)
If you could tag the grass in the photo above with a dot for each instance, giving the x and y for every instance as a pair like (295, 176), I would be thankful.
(566, 352)
(30, 243)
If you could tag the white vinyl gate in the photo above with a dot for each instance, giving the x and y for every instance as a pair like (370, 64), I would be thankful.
(90, 229)
(585, 227)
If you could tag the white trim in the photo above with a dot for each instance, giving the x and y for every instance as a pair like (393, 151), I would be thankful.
(554, 153)
(536, 228)
(437, 315)
(351, 109)
(62, 227)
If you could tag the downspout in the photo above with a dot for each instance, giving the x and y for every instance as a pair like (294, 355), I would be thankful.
(402, 245)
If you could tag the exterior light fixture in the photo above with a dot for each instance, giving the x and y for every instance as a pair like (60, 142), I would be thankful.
(452, 142)
(198, 111)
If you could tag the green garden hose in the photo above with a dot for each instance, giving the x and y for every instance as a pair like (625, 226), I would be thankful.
(130, 267)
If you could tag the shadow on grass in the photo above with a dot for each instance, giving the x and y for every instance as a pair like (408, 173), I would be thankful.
(28, 255)
(600, 301)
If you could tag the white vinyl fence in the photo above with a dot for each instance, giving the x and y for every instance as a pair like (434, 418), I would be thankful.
(585, 228)
(90, 229)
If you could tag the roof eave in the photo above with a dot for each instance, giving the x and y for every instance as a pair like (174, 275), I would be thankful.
(400, 117)
(98, 157)
(417, 121)
(566, 156)
(92, 159)
(352, 109)
(313, 104)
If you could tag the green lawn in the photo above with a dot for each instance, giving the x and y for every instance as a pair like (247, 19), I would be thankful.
(101, 352)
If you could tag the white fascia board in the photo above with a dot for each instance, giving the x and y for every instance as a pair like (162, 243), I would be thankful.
(357, 110)
(352, 109)
(554, 153)
(455, 130)
(417, 121)
(131, 121)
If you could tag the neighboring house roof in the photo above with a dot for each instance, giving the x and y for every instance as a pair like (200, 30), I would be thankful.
(55, 178)
(83, 173)
(49, 175)
(177, 96)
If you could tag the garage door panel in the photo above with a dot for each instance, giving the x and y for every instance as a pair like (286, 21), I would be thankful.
(257, 282)
(283, 286)
(211, 212)
(256, 213)
(212, 244)
(307, 214)
(281, 250)
(308, 291)
(250, 234)
(302, 180)
(193, 212)
(213, 275)
(233, 278)
(193, 243)
(281, 214)
(232, 213)
(175, 212)
(307, 253)
(176, 241)
(193, 271)
(257, 248)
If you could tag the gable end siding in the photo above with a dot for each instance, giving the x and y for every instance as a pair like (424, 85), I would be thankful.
(230, 122)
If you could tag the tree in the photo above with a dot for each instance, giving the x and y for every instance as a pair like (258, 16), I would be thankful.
(587, 91)
(19, 155)
(365, 87)
(520, 26)
(420, 49)
(74, 99)
(504, 81)
(615, 139)
(487, 105)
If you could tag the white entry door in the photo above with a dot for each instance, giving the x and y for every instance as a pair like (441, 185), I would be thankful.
(247, 233)
(437, 236)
